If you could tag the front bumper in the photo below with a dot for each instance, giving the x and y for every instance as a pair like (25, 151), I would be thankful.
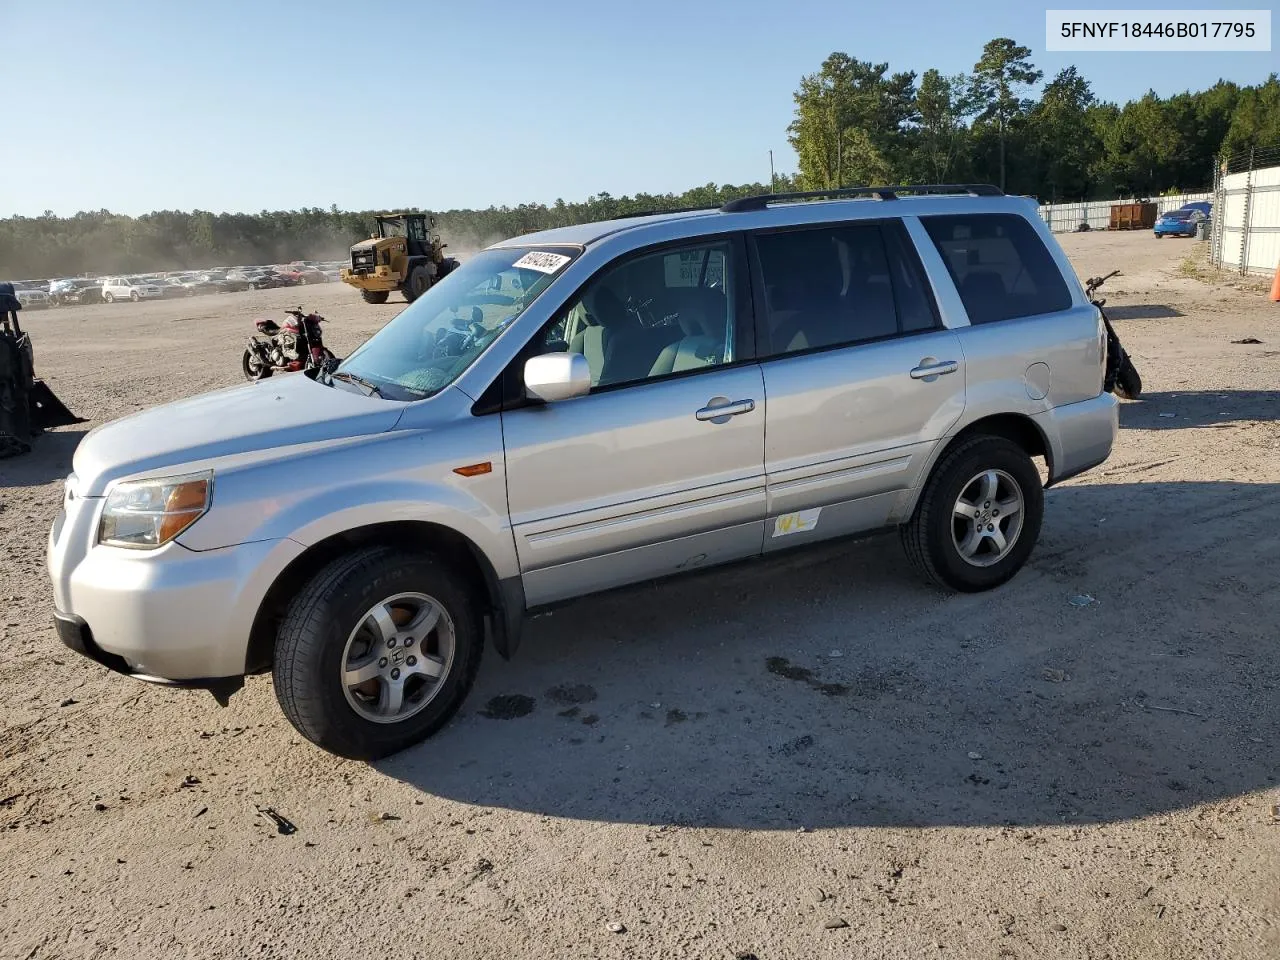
(76, 635)
(1175, 231)
(171, 614)
(376, 278)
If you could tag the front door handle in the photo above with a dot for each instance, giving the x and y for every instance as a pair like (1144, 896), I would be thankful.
(720, 412)
(930, 368)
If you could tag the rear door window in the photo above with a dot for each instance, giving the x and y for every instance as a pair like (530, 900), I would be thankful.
(1000, 266)
(840, 284)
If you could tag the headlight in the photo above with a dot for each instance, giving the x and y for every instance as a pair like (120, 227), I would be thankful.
(146, 514)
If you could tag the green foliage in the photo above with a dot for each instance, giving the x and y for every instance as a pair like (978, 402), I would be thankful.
(1255, 122)
(1000, 72)
(848, 116)
(852, 126)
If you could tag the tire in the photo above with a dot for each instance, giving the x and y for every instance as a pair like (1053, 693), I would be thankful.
(1128, 381)
(930, 537)
(253, 367)
(416, 284)
(108, 298)
(329, 620)
(374, 296)
(253, 286)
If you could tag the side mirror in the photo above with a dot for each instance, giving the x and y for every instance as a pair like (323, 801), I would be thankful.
(557, 376)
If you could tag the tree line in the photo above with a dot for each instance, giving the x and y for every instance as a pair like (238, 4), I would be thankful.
(856, 122)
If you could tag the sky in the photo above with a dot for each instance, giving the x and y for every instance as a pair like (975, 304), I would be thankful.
(245, 105)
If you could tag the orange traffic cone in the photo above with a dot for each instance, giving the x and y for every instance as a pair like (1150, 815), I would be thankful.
(1275, 285)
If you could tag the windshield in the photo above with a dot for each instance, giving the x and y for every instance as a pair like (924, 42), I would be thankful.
(1179, 215)
(430, 344)
(393, 228)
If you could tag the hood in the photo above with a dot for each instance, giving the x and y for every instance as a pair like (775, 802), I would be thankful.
(278, 412)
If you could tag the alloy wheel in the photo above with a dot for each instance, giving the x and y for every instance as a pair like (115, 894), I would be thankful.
(987, 518)
(397, 658)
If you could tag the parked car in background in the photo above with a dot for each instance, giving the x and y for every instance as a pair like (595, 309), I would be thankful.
(269, 279)
(293, 275)
(172, 287)
(1180, 223)
(129, 288)
(310, 273)
(79, 290)
(227, 281)
(32, 297)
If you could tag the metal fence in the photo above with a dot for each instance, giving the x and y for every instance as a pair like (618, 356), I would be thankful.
(1246, 212)
(1067, 217)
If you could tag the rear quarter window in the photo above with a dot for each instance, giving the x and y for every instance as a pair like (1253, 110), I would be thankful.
(1000, 266)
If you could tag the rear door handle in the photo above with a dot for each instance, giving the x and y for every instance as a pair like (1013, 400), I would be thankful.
(930, 368)
(722, 412)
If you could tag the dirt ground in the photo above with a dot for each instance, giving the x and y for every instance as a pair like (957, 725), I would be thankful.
(812, 757)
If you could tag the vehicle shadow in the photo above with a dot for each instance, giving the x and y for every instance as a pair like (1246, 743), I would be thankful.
(49, 459)
(1176, 410)
(1143, 311)
(1129, 669)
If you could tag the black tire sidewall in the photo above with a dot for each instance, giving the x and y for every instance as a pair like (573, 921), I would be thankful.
(1128, 381)
(989, 453)
(318, 625)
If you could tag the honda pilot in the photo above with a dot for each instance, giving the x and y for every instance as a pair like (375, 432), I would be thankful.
(579, 409)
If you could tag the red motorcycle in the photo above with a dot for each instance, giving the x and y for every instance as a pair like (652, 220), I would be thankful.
(298, 345)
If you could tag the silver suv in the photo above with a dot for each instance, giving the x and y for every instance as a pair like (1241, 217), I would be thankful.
(579, 409)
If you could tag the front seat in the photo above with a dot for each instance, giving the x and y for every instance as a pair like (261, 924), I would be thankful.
(618, 347)
(703, 322)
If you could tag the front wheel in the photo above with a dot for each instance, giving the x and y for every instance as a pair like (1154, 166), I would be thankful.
(979, 515)
(416, 284)
(374, 296)
(1128, 381)
(253, 367)
(377, 652)
(135, 296)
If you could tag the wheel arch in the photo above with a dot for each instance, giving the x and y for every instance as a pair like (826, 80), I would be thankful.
(503, 600)
(1014, 427)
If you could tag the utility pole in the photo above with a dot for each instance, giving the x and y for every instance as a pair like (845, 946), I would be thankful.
(773, 180)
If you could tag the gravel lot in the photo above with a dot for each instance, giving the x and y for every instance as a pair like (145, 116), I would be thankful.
(811, 757)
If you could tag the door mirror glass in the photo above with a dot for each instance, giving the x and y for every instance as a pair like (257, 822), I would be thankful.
(557, 376)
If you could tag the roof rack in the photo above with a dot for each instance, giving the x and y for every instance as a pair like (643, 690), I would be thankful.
(762, 201)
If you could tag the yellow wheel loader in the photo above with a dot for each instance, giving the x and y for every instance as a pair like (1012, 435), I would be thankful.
(405, 254)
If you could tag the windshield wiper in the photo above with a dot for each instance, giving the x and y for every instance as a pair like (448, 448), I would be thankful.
(358, 381)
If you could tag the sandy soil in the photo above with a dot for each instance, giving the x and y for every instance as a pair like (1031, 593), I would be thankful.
(813, 757)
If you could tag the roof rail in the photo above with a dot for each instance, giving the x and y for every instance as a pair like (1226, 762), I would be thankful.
(762, 201)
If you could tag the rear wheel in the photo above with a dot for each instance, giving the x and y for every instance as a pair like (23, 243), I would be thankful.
(979, 516)
(377, 652)
(253, 367)
(416, 284)
(108, 298)
(374, 296)
(1128, 381)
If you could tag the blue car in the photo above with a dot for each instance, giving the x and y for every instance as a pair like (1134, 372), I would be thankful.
(1183, 222)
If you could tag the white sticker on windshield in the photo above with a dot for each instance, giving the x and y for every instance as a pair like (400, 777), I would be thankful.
(542, 262)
